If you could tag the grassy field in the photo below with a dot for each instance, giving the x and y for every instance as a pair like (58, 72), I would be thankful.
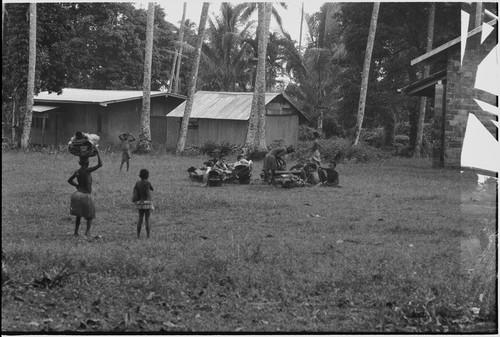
(381, 254)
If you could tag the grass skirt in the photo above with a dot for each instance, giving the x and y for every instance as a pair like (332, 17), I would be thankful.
(125, 156)
(82, 205)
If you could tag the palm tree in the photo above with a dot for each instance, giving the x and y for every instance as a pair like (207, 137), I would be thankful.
(178, 55)
(225, 55)
(366, 71)
(228, 55)
(315, 72)
(251, 7)
(255, 139)
(194, 74)
(144, 143)
(261, 77)
(3, 16)
(423, 100)
(28, 114)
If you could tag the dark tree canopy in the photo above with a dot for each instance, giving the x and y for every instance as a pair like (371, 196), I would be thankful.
(101, 45)
(85, 45)
(400, 37)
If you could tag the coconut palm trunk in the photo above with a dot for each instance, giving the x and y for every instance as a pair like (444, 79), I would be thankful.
(28, 113)
(177, 56)
(261, 125)
(3, 16)
(255, 139)
(144, 143)
(366, 71)
(181, 143)
(177, 85)
(423, 100)
(301, 24)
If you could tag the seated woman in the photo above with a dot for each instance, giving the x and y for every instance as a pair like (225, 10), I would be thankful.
(311, 173)
(241, 169)
(329, 176)
(215, 156)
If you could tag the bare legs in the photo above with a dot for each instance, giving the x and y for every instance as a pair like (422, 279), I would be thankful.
(124, 162)
(77, 225)
(143, 214)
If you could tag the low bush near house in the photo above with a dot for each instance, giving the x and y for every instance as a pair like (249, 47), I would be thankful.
(341, 150)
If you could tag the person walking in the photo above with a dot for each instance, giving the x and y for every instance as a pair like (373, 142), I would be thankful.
(82, 205)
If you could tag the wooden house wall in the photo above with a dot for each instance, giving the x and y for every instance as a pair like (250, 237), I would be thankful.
(173, 125)
(107, 122)
(172, 131)
(76, 117)
(47, 136)
(282, 127)
(222, 130)
(119, 118)
(217, 130)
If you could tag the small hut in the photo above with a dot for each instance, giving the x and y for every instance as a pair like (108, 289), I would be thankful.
(224, 116)
(106, 113)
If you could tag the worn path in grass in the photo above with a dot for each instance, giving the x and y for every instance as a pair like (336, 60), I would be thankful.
(382, 253)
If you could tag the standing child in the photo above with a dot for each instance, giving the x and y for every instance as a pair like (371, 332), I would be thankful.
(82, 204)
(142, 199)
(126, 139)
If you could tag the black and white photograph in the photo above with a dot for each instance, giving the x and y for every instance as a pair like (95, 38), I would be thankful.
(298, 167)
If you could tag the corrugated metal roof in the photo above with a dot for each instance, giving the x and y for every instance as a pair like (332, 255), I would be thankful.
(43, 108)
(221, 105)
(91, 96)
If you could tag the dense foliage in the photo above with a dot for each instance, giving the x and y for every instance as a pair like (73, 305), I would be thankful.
(101, 46)
(83, 45)
(400, 37)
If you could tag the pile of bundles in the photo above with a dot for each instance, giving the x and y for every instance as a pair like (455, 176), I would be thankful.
(83, 144)
(309, 173)
(292, 180)
(216, 171)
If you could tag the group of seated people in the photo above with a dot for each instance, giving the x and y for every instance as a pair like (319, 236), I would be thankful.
(311, 172)
(315, 174)
(218, 161)
(218, 168)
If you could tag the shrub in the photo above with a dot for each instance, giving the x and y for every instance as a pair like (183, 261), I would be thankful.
(306, 133)
(340, 150)
(402, 129)
(280, 142)
(401, 140)
(373, 137)
(208, 146)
